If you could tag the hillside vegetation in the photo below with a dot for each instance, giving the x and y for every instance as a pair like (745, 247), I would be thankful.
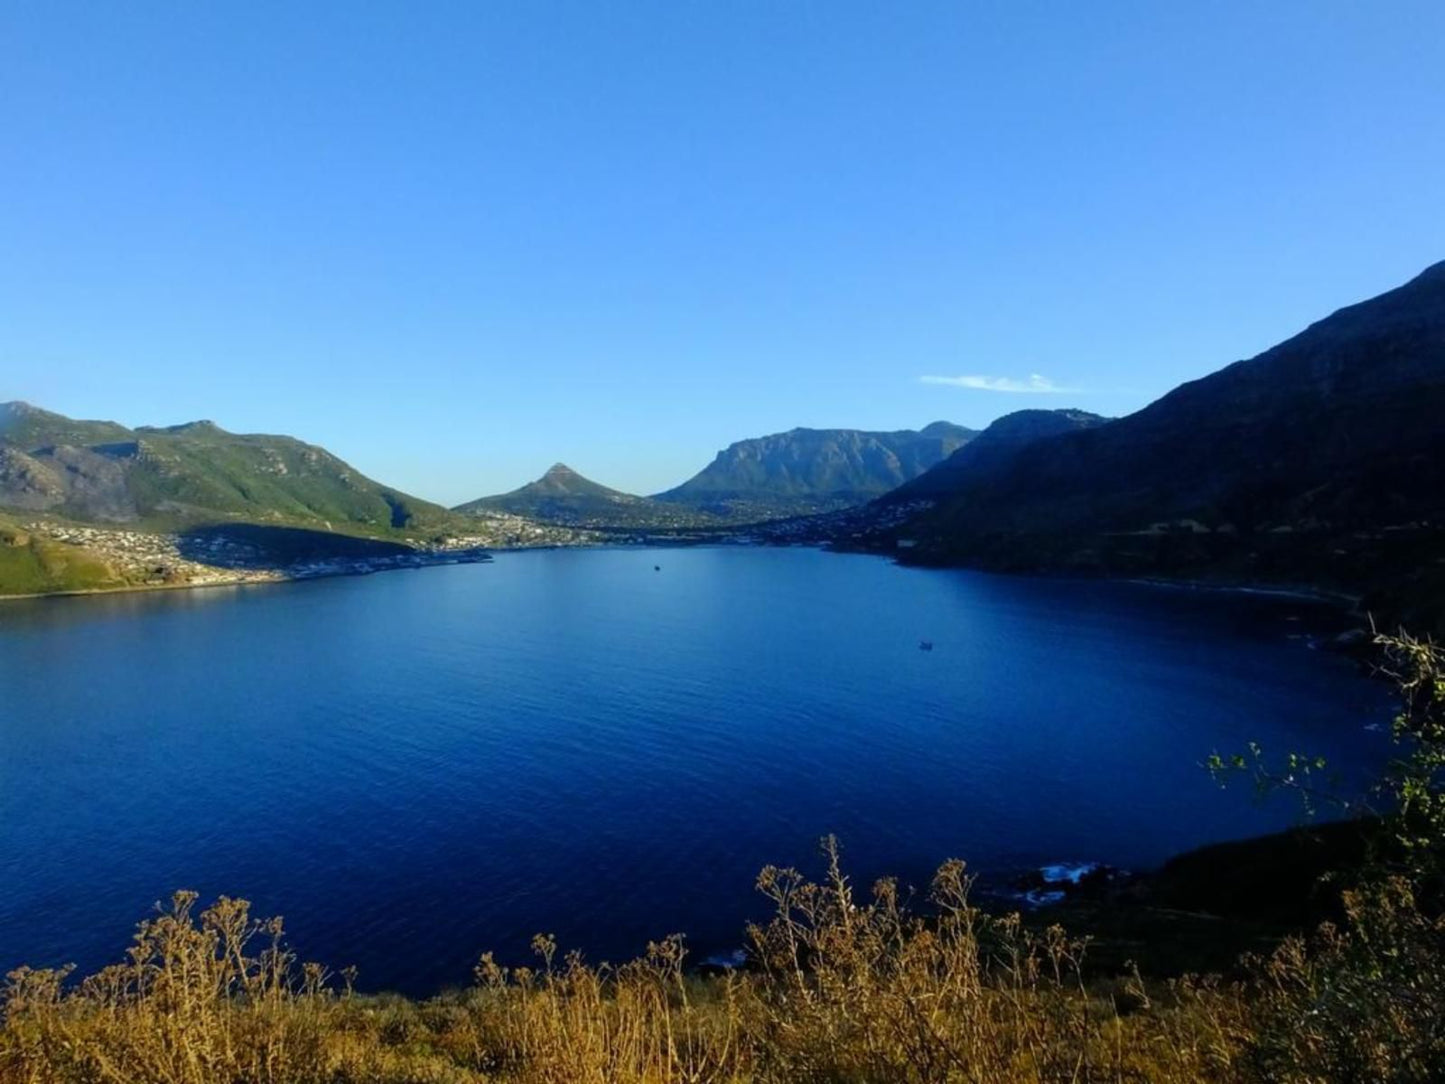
(813, 470)
(842, 988)
(101, 472)
(32, 565)
(800, 472)
(1320, 462)
(562, 496)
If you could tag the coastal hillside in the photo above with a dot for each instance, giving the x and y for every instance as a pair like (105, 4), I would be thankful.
(33, 564)
(564, 497)
(814, 470)
(101, 472)
(1321, 460)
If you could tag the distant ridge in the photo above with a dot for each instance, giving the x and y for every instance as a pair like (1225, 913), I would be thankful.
(786, 474)
(807, 470)
(563, 496)
(100, 471)
(561, 480)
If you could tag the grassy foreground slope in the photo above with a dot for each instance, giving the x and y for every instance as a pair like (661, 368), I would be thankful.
(32, 566)
(843, 988)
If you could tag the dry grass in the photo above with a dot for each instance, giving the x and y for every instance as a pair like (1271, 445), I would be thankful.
(842, 991)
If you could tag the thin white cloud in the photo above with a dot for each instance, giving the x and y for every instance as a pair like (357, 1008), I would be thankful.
(1034, 385)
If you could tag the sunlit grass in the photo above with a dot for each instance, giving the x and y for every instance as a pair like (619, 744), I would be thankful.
(841, 989)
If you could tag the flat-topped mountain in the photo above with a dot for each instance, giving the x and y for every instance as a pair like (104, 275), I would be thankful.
(787, 474)
(816, 469)
(99, 471)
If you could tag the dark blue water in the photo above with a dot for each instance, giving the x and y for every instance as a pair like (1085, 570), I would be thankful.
(418, 766)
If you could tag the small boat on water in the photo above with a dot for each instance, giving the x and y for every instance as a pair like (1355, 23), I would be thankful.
(925, 645)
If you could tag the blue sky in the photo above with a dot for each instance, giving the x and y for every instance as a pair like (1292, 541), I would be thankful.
(457, 242)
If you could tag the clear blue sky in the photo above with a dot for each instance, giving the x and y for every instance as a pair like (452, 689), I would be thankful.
(457, 242)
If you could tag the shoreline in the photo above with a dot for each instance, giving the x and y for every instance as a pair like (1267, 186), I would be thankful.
(256, 578)
(1341, 600)
(1082, 900)
(1344, 601)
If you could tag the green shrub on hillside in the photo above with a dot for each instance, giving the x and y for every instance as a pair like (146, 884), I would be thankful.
(31, 565)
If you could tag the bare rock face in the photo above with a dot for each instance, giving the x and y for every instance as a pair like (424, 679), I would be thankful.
(89, 483)
(28, 484)
(841, 465)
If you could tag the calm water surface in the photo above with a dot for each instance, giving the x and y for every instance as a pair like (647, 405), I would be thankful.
(418, 766)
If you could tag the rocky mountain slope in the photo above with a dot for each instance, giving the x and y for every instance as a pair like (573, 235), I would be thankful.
(562, 496)
(1321, 460)
(814, 470)
(991, 448)
(799, 472)
(106, 473)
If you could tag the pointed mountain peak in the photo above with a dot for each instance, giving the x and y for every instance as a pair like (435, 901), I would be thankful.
(559, 485)
(562, 481)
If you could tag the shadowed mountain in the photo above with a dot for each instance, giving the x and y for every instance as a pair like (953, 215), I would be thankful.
(814, 470)
(991, 448)
(254, 545)
(103, 472)
(1321, 460)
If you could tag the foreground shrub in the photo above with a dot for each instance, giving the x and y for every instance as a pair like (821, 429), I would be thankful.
(1365, 1000)
(840, 990)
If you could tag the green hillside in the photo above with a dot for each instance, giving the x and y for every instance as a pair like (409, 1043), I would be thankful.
(805, 471)
(103, 472)
(564, 497)
(33, 566)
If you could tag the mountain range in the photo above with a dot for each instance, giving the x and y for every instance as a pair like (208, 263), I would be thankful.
(800, 472)
(815, 470)
(1320, 462)
(101, 472)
